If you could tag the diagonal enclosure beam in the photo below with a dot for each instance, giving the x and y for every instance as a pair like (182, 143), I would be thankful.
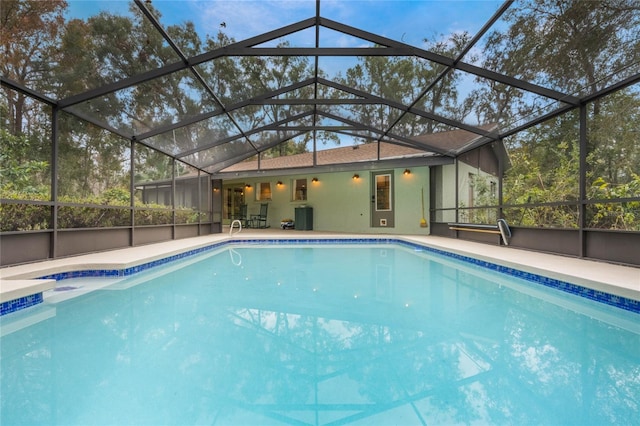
(230, 108)
(443, 60)
(245, 48)
(382, 46)
(248, 133)
(405, 108)
(461, 55)
(409, 141)
(362, 98)
(401, 51)
(226, 163)
(14, 85)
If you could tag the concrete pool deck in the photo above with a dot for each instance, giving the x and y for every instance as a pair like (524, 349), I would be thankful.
(624, 281)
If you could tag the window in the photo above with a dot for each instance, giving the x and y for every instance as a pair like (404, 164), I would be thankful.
(383, 193)
(472, 189)
(264, 191)
(299, 189)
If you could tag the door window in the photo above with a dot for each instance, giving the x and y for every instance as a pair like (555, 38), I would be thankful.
(383, 192)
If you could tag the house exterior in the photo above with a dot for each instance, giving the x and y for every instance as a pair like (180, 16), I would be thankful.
(369, 188)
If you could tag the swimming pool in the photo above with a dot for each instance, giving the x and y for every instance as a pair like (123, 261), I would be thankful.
(318, 334)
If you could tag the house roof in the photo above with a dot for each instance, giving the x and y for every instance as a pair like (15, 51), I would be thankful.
(454, 141)
(450, 141)
(346, 154)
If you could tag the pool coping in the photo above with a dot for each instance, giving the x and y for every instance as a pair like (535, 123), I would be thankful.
(610, 284)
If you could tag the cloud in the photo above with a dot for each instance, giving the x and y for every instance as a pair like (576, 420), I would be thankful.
(245, 19)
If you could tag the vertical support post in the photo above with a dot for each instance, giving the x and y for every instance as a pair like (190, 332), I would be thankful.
(174, 165)
(53, 241)
(199, 202)
(500, 179)
(315, 148)
(315, 85)
(582, 183)
(456, 200)
(217, 199)
(132, 193)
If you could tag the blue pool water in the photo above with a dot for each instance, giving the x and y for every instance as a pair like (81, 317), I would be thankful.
(298, 335)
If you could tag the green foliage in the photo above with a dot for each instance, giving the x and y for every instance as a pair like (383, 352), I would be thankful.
(573, 47)
(158, 216)
(18, 172)
(616, 215)
(24, 217)
(153, 217)
(92, 217)
(484, 195)
(185, 216)
(116, 196)
(545, 169)
(90, 160)
(21, 216)
(401, 79)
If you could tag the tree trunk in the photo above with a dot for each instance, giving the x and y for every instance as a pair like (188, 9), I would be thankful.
(18, 114)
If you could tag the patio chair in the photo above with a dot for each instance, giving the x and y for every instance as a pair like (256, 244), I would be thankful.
(242, 216)
(260, 220)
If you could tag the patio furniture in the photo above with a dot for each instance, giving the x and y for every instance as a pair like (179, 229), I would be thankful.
(287, 224)
(260, 220)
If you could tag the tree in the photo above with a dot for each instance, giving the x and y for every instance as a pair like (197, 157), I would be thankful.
(613, 135)
(18, 170)
(403, 79)
(29, 38)
(576, 48)
(261, 75)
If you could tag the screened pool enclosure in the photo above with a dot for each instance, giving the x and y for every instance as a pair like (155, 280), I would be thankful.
(122, 122)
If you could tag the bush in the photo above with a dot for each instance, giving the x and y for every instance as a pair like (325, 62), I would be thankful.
(92, 217)
(24, 217)
(21, 216)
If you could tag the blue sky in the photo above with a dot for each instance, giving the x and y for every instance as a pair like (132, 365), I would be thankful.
(407, 21)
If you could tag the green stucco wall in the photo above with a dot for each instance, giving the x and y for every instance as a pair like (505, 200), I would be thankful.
(342, 204)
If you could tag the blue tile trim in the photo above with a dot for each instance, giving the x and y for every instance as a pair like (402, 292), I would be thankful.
(599, 296)
(20, 303)
(567, 287)
(129, 271)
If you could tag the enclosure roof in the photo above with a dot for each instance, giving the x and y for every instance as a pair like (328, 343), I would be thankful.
(382, 152)
(423, 78)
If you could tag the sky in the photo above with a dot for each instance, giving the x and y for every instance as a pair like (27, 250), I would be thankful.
(407, 21)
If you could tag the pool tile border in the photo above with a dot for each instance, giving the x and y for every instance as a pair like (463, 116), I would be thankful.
(115, 273)
(564, 286)
(596, 295)
(20, 303)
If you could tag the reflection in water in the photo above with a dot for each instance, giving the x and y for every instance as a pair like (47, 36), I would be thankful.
(283, 339)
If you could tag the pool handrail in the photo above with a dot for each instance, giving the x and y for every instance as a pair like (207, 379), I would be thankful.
(232, 226)
(505, 232)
